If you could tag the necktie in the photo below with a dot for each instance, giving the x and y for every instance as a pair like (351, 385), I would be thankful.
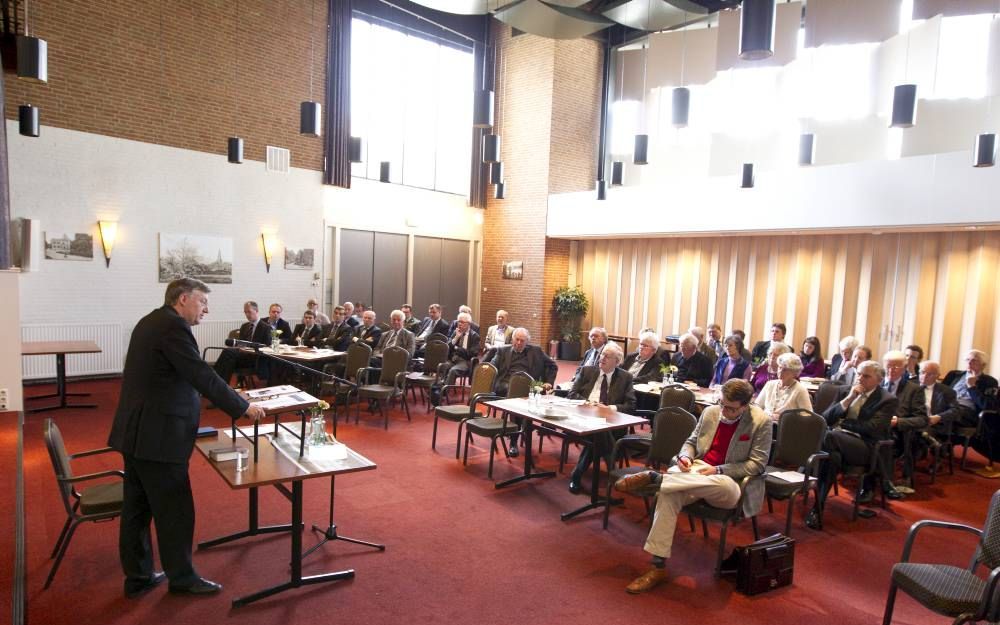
(604, 388)
(855, 408)
(392, 339)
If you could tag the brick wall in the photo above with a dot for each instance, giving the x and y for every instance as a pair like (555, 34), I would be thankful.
(171, 73)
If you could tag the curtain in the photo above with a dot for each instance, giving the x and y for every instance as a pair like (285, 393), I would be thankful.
(337, 164)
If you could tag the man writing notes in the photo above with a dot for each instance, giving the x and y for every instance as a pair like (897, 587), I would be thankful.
(154, 430)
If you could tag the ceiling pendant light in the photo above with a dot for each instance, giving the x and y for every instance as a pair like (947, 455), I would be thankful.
(640, 153)
(383, 171)
(32, 53)
(496, 173)
(482, 106)
(28, 122)
(747, 180)
(986, 150)
(807, 148)
(904, 106)
(491, 148)
(234, 145)
(757, 29)
(617, 177)
(498, 191)
(234, 150)
(602, 190)
(354, 150)
(680, 100)
(310, 112)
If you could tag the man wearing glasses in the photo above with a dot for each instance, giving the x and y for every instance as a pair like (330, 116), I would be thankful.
(731, 441)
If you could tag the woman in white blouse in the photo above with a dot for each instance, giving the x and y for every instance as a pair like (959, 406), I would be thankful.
(786, 392)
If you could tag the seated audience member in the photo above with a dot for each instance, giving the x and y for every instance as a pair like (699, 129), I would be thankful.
(785, 392)
(743, 339)
(940, 402)
(972, 388)
(715, 340)
(859, 419)
(462, 348)
(843, 356)
(340, 335)
(699, 333)
(813, 365)
(500, 334)
(768, 370)
(454, 324)
(308, 332)
(598, 339)
(395, 336)
(731, 441)
(367, 333)
(349, 316)
(911, 411)
(732, 366)
(759, 353)
(644, 364)
(254, 331)
(278, 324)
(432, 324)
(845, 376)
(410, 322)
(520, 356)
(359, 311)
(321, 317)
(692, 365)
(914, 354)
(603, 384)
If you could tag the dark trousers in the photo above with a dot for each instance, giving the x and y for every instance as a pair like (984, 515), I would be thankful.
(603, 444)
(844, 448)
(160, 492)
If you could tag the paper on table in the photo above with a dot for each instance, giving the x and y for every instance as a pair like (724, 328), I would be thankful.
(283, 401)
(271, 390)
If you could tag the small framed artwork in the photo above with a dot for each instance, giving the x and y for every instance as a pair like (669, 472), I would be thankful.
(299, 258)
(62, 247)
(207, 258)
(513, 270)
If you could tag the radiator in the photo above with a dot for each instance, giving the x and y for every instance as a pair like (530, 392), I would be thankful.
(112, 338)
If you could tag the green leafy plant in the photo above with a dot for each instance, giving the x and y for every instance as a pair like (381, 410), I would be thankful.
(665, 369)
(571, 304)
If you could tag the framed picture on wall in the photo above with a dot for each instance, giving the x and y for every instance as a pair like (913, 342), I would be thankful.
(513, 270)
(207, 258)
(301, 258)
(63, 247)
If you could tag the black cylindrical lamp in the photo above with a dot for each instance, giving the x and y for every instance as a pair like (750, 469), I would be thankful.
(482, 109)
(383, 171)
(28, 122)
(602, 190)
(309, 118)
(639, 155)
(496, 173)
(757, 29)
(747, 181)
(681, 107)
(617, 173)
(354, 150)
(904, 106)
(498, 190)
(986, 150)
(234, 149)
(32, 59)
(807, 148)
(491, 148)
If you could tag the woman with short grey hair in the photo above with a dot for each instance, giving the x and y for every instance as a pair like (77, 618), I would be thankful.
(768, 370)
(785, 392)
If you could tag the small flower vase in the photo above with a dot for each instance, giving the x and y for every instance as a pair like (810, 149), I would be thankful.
(317, 432)
(668, 379)
(275, 344)
(533, 399)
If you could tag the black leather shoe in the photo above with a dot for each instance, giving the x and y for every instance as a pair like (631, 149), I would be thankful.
(201, 586)
(574, 486)
(865, 495)
(813, 520)
(133, 590)
(892, 493)
(512, 452)
(865, 513)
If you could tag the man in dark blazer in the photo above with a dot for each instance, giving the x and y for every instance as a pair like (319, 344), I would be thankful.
(927, 427)
(367, 333)
(308, 333)
(692, 365)
(410, 322)
(520, 356)
(759, 353)
(432, 323)
(644, 364)
(279, 327)
(860, 417)
(349, 316)
(463, 346)
(845, 352)
(598, 339)
(911, 413)
(154, 430)
(602, 385)
(976, 393)
(255, 331)
(340, 334)
(454, 324)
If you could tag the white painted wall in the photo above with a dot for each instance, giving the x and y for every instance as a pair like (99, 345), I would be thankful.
(10, 338)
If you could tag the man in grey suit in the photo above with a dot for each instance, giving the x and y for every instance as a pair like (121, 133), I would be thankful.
(603, 385)
(462, 348)
(395, 336)
(519, 356)
(730, 442)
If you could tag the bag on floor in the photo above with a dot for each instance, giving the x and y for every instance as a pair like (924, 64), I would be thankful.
(762, 565)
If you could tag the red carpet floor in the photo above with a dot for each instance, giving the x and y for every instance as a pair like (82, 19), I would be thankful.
(460, 551)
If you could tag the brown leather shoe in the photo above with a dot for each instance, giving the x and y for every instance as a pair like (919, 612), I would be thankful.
(635, 482)
(647, 581)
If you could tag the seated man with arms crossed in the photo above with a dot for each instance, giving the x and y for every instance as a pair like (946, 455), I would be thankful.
(520, 356)
(462, 348)
(308, 332)
(367, 333)
(602, 385)
(339, 338)
(731, 441)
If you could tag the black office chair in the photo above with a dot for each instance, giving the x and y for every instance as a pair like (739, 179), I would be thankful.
(825, 395)
(707, 512)
(483, 377)
(798, 448)
(100, 502)
(391, 384)
(497, 427)
(435, 353)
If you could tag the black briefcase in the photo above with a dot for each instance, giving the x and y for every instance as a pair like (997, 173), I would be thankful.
(764, 565)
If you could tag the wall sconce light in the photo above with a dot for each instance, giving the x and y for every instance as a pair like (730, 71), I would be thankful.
(109, 232)
(270, 246)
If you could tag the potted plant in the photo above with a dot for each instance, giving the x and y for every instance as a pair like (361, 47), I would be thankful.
(571, 304)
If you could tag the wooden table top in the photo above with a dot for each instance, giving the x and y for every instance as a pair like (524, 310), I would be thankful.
(277, 461)
(576, 418)
(42, 348)
(306, 354)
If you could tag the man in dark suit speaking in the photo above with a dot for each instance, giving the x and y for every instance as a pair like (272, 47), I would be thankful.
(154, 429)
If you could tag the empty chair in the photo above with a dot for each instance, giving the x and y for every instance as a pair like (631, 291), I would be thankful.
(800, 438)
(483, 377)
(678, 396)
(391, 383)
(358, 356)
(950, 590)
(100, 502)
(825, 395)
(496, 427)
(435, 353)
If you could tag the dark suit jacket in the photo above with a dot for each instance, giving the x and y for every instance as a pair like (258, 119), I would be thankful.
(835, 363)
(620, 392)
(262, 334)
(912, 411)
(339, 338)
(454, 324)
(979, 393)
(312, 338)
(369, 336)
(587, 354)
(943, 402)
(873, 419)
(456, 353)
(440, 326)
(411, 324)
(649, 372)
(697, 368)
(286, 331)
(159, 407)
(352, 321)
(539, 365)
(759, 352)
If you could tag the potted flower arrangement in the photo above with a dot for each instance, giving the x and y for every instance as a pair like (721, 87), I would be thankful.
(668, 372)
(571, 304)
(276, 339)
(317, 433)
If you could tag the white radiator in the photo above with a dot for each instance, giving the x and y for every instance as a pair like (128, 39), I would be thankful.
(112, 338)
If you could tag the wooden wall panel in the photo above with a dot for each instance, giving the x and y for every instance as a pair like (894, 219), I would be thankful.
(937, 290)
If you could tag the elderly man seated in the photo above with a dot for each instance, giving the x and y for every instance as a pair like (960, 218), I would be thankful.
(463, 346)
(395, 336)
(644, 364)
(520, 356)
(598, 339)
(843, 356)
(692, 365)
(731, 441)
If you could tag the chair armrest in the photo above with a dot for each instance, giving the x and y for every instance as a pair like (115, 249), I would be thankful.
(877, 452)
(812, 464)
(911, 536)
(90, 452)
(91, 476)
(400, 381)
(743, 491)
(361, 376)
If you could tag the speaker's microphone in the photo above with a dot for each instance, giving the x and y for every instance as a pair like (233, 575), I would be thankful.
(239, 343)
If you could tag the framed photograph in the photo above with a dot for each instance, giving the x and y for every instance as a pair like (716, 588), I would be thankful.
(63, 247)
(513, 270)
(206, 258)
(299, 258)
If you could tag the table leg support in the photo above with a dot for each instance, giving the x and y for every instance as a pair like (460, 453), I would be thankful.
(528, 462)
